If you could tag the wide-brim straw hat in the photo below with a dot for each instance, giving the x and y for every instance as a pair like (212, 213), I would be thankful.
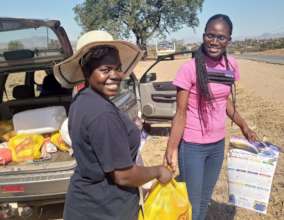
(69, 72)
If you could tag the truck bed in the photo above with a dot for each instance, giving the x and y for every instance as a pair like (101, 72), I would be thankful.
(38, 180)
(35, 166)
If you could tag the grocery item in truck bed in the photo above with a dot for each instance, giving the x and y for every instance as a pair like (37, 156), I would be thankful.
(25, 147)
(57, 140)
(5, 126)
(65, 133)
(6, 130)
(5, 156)
(40, 120)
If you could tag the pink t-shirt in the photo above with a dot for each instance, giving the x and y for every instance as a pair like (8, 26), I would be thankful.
(215, 129)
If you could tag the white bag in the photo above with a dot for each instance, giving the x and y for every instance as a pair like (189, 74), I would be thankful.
(64, 132)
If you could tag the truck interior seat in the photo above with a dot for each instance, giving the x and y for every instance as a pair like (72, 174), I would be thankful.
(23, 92)
(51, 87)
(19, 105)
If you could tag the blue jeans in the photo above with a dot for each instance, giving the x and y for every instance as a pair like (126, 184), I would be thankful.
(200, 165)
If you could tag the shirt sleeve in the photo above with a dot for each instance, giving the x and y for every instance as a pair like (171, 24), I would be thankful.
(184, 77)
(109, 141)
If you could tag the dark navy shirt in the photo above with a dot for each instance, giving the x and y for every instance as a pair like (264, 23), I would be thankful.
(104, 139)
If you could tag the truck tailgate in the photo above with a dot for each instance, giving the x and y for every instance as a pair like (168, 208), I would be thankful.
(41, 182)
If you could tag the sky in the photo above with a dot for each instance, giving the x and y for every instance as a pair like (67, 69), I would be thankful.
(250, 17)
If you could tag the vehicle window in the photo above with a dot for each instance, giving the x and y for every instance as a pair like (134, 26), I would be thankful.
(47, 85)
(38, 80)
(165, 70)
(34, 43)
(43, 84)
(18, 80)
(127, 84)
(39, 76)
(12, 81)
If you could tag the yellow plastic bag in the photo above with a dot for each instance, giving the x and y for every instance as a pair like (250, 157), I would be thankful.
(57, 140)
(167, 202)
(25, 147)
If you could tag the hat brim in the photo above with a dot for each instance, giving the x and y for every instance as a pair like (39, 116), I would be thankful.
(69, 72)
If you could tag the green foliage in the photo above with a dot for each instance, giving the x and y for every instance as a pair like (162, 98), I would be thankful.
(143, 18)
(254, 45)
(15, 45)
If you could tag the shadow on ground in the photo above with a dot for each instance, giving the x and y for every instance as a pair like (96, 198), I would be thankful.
(220, 211)
(158, 131)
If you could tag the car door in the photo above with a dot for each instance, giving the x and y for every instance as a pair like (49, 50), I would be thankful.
(157, 93)
(126, 99)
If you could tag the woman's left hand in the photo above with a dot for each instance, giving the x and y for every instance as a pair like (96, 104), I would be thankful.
(249, 134)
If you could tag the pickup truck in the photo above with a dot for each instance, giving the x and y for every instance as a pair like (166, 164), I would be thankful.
(165, 48)
(29, 48)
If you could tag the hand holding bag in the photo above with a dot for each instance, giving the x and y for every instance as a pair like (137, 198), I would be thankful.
(167, 202)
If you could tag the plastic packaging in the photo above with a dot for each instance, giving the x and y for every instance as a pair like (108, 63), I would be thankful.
(167, 202)
(57, 140)
(25, 147)
(40, 120)
(65, 133)
(5, 156)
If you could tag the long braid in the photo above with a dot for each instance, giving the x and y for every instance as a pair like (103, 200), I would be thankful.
(204, 93)
(205, 97)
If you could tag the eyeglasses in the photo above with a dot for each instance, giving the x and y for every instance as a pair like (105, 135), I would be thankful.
(220, 38)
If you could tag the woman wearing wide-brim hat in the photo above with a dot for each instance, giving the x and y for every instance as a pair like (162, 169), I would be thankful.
(104, 139)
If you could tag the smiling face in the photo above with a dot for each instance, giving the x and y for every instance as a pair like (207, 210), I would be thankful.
(216, 38)
(106, 79)
(101, 67)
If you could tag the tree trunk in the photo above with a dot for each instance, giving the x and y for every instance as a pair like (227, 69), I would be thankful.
(141, 42)
(144, 48)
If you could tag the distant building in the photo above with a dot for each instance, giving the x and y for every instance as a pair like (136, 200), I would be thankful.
(192, 46)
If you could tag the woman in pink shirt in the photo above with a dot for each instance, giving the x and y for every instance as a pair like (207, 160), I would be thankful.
(204, 85)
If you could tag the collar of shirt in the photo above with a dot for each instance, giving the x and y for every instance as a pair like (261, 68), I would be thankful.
(211, 62)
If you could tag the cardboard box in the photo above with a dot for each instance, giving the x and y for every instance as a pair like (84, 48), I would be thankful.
(251, 167)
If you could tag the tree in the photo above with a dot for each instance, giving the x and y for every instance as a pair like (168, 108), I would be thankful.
(15, 45)
(143, 18)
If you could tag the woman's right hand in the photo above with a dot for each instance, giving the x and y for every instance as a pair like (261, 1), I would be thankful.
(164, 175)
(171, 158)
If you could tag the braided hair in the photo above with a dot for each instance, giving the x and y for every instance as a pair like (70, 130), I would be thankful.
(205, 97)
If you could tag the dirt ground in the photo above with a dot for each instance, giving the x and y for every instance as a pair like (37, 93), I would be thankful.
(260, 100)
